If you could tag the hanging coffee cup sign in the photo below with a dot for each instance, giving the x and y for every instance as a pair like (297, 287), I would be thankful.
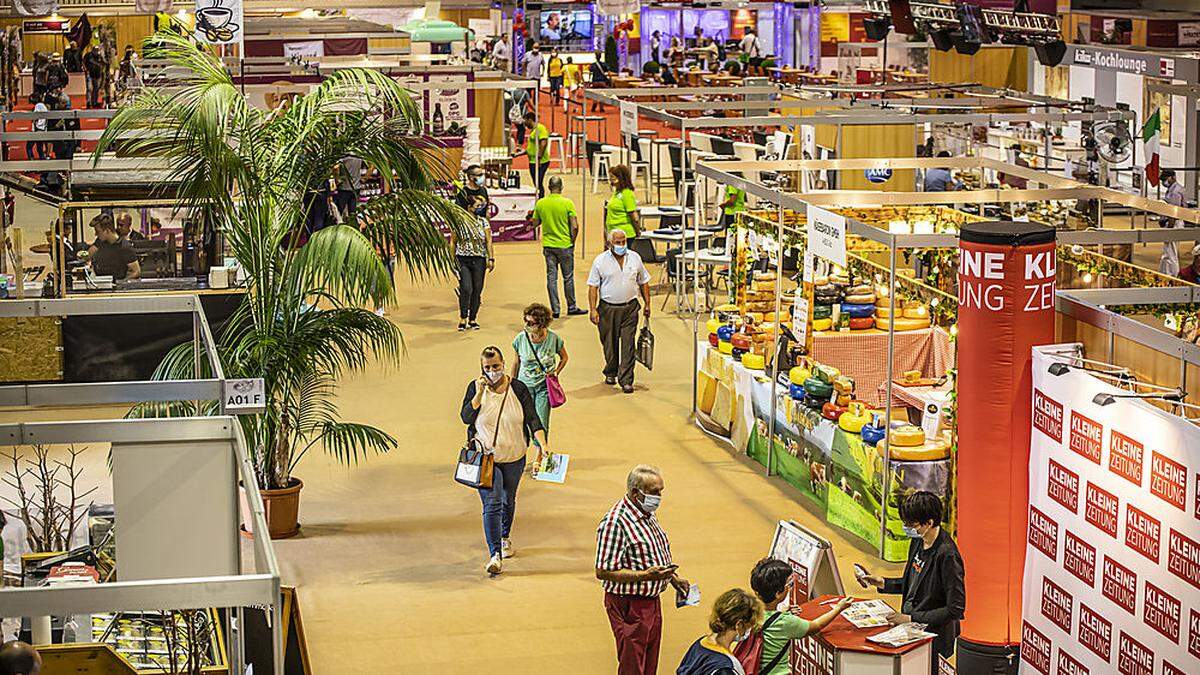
(219, 22)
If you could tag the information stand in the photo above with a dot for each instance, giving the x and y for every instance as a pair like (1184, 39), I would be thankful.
(811, 556)
(843, 649)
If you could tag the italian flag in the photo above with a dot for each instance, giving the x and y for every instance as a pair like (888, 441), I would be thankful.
(1150, 135)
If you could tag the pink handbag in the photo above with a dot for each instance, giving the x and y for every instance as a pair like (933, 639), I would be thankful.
(554, 390)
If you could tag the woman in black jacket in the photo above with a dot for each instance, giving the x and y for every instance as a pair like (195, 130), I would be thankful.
(499, 411)
(932, 590)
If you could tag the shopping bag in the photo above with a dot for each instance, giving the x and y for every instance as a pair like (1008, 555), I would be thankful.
(645, 347)
(475, 466)
(554, 391)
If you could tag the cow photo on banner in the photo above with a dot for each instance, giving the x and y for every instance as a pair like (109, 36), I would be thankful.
(1112, 568)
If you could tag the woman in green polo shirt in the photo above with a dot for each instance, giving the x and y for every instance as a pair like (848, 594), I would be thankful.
(621, 210)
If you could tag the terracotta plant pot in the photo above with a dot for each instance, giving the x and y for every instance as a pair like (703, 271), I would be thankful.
(282, 508)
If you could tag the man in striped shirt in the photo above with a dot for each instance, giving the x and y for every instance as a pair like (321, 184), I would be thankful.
(633, 560)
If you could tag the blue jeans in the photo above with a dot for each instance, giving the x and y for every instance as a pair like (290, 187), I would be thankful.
(500, 503)
(560, 258)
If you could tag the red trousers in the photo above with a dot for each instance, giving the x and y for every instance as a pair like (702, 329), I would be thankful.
(637, 625)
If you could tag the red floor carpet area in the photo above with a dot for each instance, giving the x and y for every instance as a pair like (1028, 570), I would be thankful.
(16, 149)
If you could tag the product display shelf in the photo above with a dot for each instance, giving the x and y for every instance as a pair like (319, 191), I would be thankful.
(146, 640)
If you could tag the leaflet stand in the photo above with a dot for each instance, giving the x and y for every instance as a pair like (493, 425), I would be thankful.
(811, 556)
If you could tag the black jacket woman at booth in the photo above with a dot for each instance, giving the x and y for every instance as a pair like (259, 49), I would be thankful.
(932, 589)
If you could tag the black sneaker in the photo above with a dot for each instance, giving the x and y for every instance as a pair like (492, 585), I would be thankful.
(555, 315)
(473, 325)
(627, 388)
(576, 311)
(610, 380)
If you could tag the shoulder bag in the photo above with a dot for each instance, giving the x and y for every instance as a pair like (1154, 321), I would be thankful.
(554, 390)
(644, 351)
(749, 652)
(475, 462)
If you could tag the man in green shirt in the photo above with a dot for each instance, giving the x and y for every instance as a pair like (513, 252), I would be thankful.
(735, 203)
(555, 214)
(537, 149)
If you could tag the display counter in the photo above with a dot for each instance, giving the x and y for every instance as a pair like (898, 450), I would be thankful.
(857, 353)
(510, 214)
(843, 649)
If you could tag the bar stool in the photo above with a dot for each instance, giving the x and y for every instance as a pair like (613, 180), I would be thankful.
(577, 132)
(556, 141)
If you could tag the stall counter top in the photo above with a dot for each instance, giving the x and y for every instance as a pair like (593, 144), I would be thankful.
(842, 635)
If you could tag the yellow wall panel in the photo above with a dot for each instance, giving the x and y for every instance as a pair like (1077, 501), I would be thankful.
(992, 66)
(878, 140)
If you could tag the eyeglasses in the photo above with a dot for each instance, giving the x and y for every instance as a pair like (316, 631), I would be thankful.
(531, 324)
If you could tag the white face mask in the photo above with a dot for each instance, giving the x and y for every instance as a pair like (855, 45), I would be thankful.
(619, 250)
(742, 637)
(911, 532)
(480, 179)
(493, 376)
(651, 502)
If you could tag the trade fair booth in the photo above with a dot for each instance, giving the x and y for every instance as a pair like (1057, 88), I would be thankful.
(125, 584)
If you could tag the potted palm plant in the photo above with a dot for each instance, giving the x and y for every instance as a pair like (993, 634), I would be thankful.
(302, 323)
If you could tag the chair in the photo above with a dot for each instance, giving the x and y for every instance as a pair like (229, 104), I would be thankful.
(639, 163)
(723, 146)
(601, 159)
(702, 142)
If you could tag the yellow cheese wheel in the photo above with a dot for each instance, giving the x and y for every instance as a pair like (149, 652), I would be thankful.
(798, 374)
(863, 299)
(822, 324)
(882, 312)
(775, 317)
(706, 391)
(907, 436)
(725, 347)
(935, 449)
(901, 323)
(756, 317)
(861, 289)
(854, 418)
(722, 411)
(754, 361)
(918, 312)
(912, 375)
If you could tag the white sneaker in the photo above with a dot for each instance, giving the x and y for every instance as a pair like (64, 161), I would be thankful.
(495, 565)
(506, 549)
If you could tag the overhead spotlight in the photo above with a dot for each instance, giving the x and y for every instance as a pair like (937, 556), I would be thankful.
(1104, 399)
(902, 17)
(1059, 368)
(1050, 53)
(877, 27)
(941, 39)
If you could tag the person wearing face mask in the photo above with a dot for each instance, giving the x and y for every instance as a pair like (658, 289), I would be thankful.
(500, 412)
(537, 150)
(617, 278)
(770, 580)
(540, 353)
(633, 562)
(621, 209)
(931, 589)
(472, 248)
(734, 616)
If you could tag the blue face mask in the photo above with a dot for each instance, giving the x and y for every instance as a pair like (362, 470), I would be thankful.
(911, 532)
(619, 250)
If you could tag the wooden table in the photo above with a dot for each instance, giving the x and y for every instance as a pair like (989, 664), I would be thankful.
(722, 80)
(626, 81)
(818, 78)
(787, 74)
(40, 249)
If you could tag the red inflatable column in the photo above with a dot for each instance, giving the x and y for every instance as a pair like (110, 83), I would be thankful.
(1006, 306)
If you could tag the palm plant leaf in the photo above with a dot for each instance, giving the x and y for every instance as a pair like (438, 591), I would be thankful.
(301, 326)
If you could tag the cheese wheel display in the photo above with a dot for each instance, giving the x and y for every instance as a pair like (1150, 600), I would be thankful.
(842, 399)
(822, 324)
(883, 311)
(925, 452)
(861, 289)
(854, 418)
(822, 311)
(724, 347)
(832, 411)
(813, 403)
(902, 323)
(755, 317)
(740, 341)
(918, 312)
(827, 298)
(713, 339)
(817, 389)
(798, 374)
(873, 433)
(862, 322)
(826, 374)
(722, 412)
(864, 299)
(906, 436)
(726, 312)
(754, 361)
(724, 333)
(796, 391)
(858, 310)
(776, 317)
(843, 384)
(821, 280)
(713, 324)
(839, 279)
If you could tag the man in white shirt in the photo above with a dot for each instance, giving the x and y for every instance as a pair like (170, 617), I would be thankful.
(534, 62)
(616, 280)
(501, 53)
(749, 45)
(1168, 262)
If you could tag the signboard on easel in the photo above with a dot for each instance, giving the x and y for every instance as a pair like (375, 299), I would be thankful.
(811, 556)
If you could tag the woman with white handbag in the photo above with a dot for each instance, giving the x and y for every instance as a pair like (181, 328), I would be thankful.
(541, 357)
(501, 421)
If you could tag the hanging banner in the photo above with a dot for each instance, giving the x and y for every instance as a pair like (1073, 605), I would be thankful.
(1112, 566)
(447, 105)
(827, 235)
(305, 49)
(220, 22)
(46, 26)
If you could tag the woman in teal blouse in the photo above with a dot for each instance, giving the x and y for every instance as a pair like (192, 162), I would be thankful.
(540, 352)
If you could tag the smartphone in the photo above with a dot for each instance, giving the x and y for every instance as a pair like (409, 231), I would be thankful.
(860, 575)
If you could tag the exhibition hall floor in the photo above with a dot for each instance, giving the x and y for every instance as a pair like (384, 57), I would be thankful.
(390, 559)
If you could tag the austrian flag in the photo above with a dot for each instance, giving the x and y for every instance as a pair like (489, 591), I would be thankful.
(1150, 136)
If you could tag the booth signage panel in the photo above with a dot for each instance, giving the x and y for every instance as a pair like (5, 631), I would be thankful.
(827, 235)
(629, 118)
(45, 26)
(1112, 573)
(1135, 63)
(245, 396)
(1189, 33)
(311, 49)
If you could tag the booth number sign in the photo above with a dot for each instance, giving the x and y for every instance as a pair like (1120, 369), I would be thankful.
(245, 397)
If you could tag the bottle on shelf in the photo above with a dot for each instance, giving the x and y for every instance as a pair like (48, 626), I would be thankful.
(437, 120)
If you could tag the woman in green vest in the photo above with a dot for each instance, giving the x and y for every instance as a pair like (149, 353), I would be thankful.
(621, 209)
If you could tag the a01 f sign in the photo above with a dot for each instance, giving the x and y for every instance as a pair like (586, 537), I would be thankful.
(245, 397)
(827, 235)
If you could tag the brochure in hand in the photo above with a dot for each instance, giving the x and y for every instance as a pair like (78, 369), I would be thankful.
(553, 468)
